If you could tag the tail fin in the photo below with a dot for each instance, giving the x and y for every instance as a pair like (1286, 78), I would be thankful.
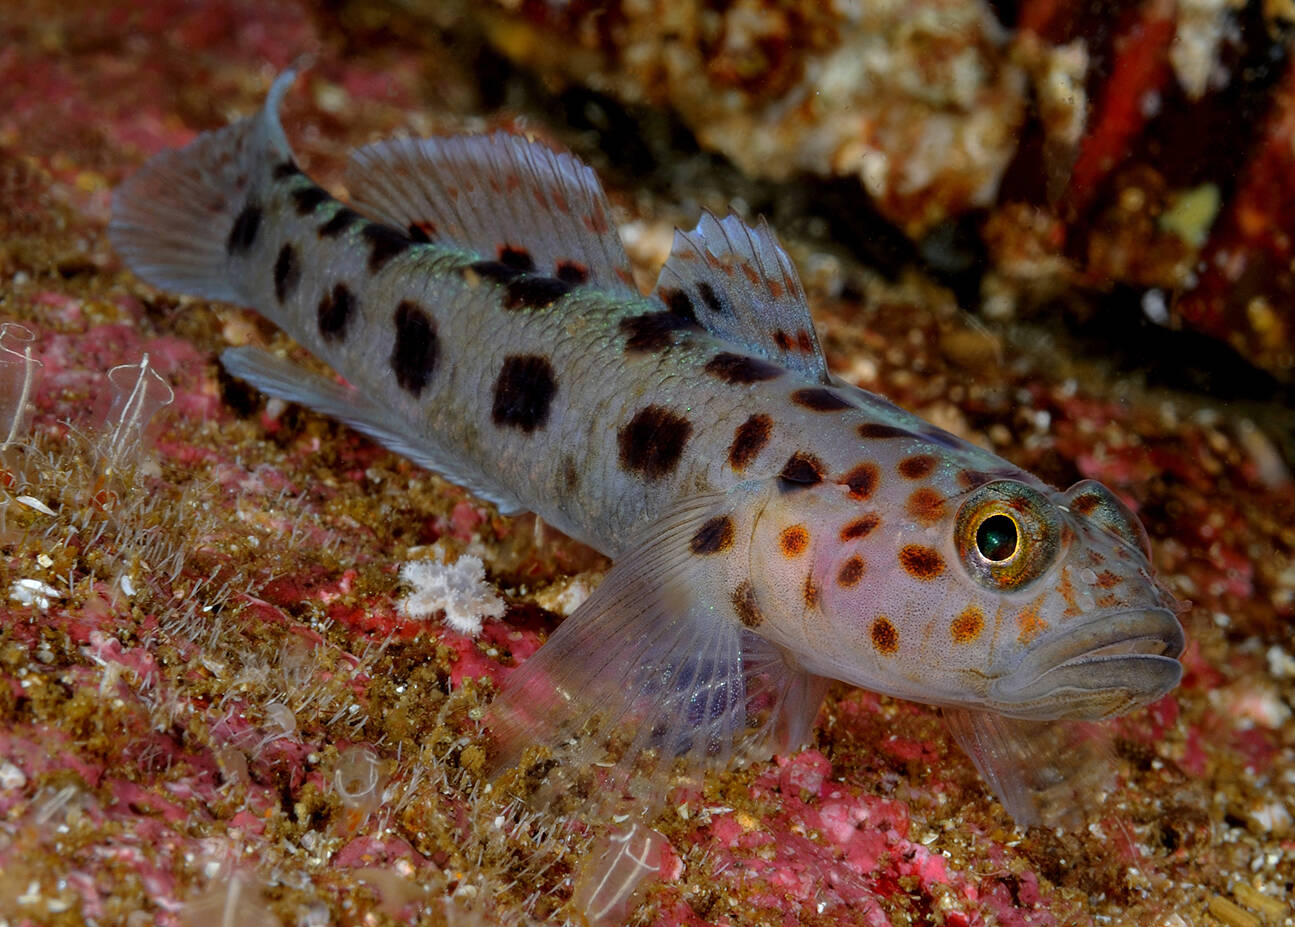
(172, 222)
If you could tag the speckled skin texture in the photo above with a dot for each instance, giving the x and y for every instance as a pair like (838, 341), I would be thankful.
(177, 776)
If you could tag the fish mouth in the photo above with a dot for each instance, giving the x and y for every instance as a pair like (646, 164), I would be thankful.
(1104, 667)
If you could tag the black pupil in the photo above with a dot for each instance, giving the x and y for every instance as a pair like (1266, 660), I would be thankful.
(996, 538)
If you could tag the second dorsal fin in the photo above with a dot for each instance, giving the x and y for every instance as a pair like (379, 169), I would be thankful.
(500, 195)
(738, 282)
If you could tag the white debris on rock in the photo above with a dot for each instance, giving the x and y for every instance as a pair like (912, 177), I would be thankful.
(566, 595)
(33, 592)
(459, 589)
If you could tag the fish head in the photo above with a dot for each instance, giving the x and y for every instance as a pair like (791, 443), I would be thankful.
(1002, 595)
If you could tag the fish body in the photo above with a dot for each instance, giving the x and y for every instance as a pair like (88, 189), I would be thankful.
(773, 527)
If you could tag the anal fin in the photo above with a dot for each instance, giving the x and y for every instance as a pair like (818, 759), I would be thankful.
(292, 383)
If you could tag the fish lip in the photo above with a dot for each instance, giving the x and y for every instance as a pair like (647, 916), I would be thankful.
(1137, 637)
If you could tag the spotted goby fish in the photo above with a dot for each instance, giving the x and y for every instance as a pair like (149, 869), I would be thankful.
(772, 526)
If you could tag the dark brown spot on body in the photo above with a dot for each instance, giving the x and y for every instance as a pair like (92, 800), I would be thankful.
(749, 440)
(861, 527)
(243, 233)
(713, 301)
(680, 303)
(916, 467)
(925, 505)
(570, 474)
(524, 391)
(493, 271)
(652, 442)
(794, 540)
(532, 292)
(741, 369)
(714, 537)
(744, 603)
(417, 347)
(341, 221)
(885, 636)
(809, 591)
(384, 243)
(653, 331)
(968, 625)
(818, 399)
(307, 199)
(334, 312)
(801, 470)
(287, 273)
(924, 563)
(851, 572)
(572, 272)
(516, 257)
(422, 232)
(862, 480)
(877, 431)
(285, 169)
(782, 340)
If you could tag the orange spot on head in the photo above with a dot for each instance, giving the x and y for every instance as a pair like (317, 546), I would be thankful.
(1067, 590)
(1085, 504)
(968, 625)
(916, 467)
(1030, 624)
(862, 480)
(925, 505)
(851, 572)
(885, 636)
(860, 527)
(970, 479)
(924, 563)
(1108, 580)
(794, 540)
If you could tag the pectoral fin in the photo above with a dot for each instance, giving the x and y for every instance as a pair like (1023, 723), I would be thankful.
(658, 665)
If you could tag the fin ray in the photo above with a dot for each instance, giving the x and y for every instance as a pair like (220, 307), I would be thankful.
(657, 662)
(740, 284)
(1050, 773)
(485, 193)
(172, 219)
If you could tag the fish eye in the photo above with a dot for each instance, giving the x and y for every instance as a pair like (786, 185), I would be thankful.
(996, 538)
(1008, 535)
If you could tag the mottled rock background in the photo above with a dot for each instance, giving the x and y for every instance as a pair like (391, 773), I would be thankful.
(210, 702)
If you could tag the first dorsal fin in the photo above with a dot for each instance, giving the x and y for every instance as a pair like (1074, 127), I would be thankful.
(500, 195)
(738, 282)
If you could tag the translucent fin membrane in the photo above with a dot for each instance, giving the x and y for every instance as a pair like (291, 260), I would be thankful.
(138, 393)
(1049, 773)
(18, 371)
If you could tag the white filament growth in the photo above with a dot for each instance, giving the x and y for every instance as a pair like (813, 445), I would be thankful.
(11, 333)
(139, 393)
